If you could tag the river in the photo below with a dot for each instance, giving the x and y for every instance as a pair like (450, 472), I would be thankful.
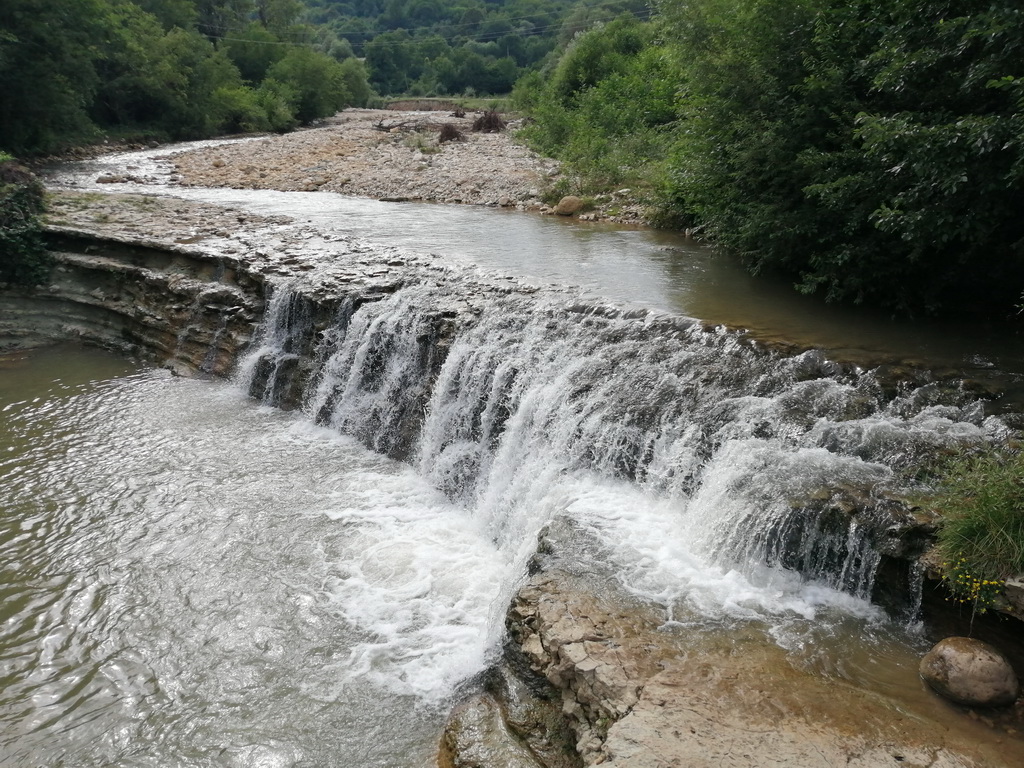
(193, 578)
(642, 267)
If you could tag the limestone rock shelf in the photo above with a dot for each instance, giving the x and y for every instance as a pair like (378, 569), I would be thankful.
(169, 305)
(625, 691)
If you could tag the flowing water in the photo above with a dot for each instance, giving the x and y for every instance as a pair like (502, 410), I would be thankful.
(656, 269)
(172, 600)
(195, 578)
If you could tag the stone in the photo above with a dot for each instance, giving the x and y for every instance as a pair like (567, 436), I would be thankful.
(970, 672)
(569, 205)
(476, 736)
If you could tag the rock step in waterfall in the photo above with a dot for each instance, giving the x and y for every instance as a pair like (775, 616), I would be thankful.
(519, 406)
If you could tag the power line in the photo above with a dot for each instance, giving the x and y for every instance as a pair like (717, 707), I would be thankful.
(643, 15)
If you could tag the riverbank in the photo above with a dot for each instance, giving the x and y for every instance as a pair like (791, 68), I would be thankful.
(398, 156)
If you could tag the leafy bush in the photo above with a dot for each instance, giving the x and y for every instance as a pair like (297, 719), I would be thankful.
(353, 72)
(23, 258)
(966, 587)
(608, 109)
(238, 110)
(982, 504)
(276, 99)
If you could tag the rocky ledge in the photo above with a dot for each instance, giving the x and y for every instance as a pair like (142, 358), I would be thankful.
(592, 676)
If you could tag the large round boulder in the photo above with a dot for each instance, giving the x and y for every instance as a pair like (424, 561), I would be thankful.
(970, 672)
(569, 205)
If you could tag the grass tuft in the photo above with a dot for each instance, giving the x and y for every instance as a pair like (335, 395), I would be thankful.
(982, 504)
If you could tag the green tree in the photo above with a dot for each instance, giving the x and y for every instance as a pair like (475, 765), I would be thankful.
(389, 58)
(255, 50)
(47, 71)
(868, 148)
(131, 68)
(222, 18)
(317, 83)
(278, 15)
(171, 13)
(354, 75)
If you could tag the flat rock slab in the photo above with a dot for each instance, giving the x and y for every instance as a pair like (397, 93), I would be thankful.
(641, 697)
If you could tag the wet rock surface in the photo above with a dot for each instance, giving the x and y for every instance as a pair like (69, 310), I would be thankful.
(477, 736)
(970, 672)
(637, 694)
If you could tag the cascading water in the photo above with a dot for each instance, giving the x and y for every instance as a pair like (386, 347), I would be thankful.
(716, 457)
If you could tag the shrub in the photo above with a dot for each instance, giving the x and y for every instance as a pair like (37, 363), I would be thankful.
(276, 99)
(489, 122)
(353, 72)
(450, 133)
(238, 110)
(23, 258)
(609, 111)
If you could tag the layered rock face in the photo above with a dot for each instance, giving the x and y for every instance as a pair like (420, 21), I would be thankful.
(145, 300)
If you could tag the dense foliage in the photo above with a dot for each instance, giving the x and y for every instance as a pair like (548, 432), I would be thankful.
(70, 69)
(873, 149)
(433, 47)
(23, 258)
(607, 107)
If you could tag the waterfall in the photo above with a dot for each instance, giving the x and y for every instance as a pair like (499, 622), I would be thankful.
(529, 407)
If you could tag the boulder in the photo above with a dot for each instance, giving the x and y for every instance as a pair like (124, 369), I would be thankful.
(476, 736)
(569, 205)
(970, 672)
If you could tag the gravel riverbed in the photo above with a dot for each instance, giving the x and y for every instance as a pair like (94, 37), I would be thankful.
(392, 155)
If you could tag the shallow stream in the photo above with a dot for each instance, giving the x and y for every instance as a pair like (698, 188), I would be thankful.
(656, 269)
